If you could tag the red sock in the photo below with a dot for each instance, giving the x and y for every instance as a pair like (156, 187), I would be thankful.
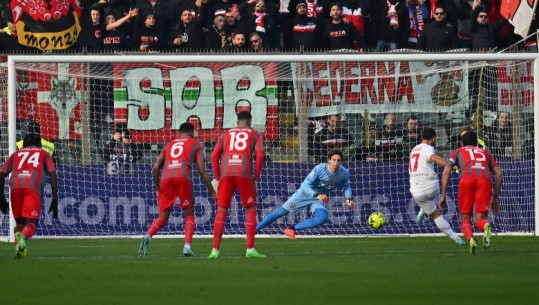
(156, 225)
(189, 228)
(29, 230)
(480, 224)
(219, 228)
(19, 227)
(467, 230)
(250, 227)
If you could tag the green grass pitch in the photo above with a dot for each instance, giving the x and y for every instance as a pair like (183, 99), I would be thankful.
(397, 270)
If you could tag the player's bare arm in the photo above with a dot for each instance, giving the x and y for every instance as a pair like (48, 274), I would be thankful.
(206, 177)
(438, 160)
(446, 175)
(155, 171)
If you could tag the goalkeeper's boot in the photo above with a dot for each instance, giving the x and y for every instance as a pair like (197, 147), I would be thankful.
(486, 236)
(20, 247)
(144, 246)
(187, 252)
(473, 245)
(253, 254)
(290, 232)
(214, 254)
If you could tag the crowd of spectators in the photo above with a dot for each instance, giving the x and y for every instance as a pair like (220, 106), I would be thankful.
(285, 25)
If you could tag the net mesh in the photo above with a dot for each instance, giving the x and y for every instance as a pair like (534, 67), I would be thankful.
(106, 187)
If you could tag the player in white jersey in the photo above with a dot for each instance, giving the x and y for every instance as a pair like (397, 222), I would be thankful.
(424, 184)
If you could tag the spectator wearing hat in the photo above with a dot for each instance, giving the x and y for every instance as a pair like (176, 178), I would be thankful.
(301, 32)
(148, 37)
(217, 8)
(216, 35)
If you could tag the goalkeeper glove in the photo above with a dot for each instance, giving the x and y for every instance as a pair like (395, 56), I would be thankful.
(4, 206)
(54, 208)
(350, 203)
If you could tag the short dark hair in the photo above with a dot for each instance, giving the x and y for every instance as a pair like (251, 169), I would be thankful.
(187, 127)
(469, 138)
(464, 130)
(336, 4)
(253, 34)
(412, 117)
(32, 139)
(126, 134)
(244, 116)
(333, 152)
(428, 133)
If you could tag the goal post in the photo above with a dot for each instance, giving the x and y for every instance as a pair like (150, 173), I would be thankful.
(79, 102)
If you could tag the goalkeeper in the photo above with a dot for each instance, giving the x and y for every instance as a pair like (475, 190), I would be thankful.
(313, 193)
(28, 167)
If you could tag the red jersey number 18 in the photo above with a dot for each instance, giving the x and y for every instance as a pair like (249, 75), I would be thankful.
(238, 141)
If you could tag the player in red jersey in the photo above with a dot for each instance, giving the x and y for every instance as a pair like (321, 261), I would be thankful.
(28, 167)
(176, 182)
(475, 186)
(233, 169)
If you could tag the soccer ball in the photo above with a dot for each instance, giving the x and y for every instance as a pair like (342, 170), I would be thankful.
(377, 220)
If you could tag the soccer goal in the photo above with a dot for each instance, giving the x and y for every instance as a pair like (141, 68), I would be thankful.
(79, 102)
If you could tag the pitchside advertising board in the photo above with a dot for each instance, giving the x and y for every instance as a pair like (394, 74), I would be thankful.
(154, 99)
(126, 205)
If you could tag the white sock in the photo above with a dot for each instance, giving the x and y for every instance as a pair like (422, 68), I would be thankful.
(187, 246)
(250, 250)
(421, 213)
(444, 227)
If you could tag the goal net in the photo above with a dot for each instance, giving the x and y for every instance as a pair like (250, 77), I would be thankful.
(105, 185)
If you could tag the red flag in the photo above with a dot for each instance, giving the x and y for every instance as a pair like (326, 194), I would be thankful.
(519, 13)
(46, 24)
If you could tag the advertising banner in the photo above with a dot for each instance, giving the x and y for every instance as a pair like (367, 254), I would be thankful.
(126, 205)
(353, 87)
(153, 101)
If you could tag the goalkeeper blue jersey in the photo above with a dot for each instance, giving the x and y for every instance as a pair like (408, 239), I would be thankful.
(320, 180)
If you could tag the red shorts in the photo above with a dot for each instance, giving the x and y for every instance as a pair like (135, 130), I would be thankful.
(227, 186)
(474, 189)
(25, 203)
(173, 188)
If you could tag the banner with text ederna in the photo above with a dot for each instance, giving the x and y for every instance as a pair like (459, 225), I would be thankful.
(46, 24)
